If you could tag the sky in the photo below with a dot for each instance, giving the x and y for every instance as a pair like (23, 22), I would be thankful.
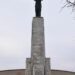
(15, 33)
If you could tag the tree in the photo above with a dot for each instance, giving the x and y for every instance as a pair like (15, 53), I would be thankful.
(70, 3)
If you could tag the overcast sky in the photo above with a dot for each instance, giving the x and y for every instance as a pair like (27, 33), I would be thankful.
(15, 33)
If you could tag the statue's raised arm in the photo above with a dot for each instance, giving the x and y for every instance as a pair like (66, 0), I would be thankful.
(38, 7)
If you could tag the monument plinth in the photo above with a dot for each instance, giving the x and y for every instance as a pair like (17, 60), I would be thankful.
(38, 64)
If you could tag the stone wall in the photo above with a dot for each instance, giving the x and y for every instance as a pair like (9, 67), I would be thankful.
(22, 72)
(58, 72)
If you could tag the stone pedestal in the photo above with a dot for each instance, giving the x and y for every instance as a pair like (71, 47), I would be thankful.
(38, 64)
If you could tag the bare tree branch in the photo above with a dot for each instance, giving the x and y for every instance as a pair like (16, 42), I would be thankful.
(70, 3)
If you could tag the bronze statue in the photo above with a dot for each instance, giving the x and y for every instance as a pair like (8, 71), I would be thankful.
(38, 8)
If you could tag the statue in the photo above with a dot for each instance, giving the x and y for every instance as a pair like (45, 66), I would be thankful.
(38, 8)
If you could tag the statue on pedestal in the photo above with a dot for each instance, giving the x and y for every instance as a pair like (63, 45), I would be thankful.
(38, 8)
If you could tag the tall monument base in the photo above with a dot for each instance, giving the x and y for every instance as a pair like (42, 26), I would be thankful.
(38, 64)
(38, 69)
